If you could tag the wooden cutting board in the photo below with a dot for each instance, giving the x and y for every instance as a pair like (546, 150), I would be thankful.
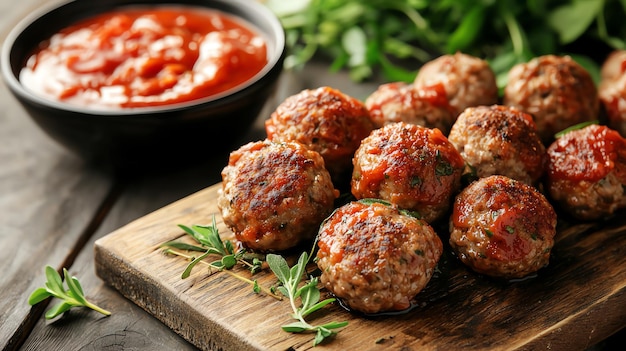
(578, 300)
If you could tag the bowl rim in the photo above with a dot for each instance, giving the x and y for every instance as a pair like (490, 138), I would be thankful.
(276, 55)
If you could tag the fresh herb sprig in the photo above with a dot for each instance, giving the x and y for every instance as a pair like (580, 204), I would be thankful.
(212, 244)
(71, 297)
(308, 294)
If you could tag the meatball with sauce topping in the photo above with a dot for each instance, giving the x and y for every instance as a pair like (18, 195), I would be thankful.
(586, 172)
(325, 120)
(468, 80)
(275, 195)
(556, 90)
(612, 90)
(499, 140)
(402, 102)
(413, 167)
(502, 227)
(374, 257)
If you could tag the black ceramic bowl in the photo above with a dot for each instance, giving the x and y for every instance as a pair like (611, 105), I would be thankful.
(127, 137)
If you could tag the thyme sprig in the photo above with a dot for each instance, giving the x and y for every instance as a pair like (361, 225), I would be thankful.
(308, 294)
(212, 244)
(71, 297)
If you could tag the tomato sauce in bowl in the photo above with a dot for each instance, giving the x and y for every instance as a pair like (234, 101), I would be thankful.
(146, 56)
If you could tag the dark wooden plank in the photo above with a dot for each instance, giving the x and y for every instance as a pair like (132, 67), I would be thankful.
(128, 325)
(47, 200)
(48, 197)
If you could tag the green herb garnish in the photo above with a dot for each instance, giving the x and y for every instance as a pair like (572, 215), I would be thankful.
(574, 127)
(213, 245)
(71, 297)
(308, 293)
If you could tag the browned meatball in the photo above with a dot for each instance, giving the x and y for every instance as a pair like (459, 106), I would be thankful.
(414, 167)
(586, 172)
(502, 227)
(275, 195)
(499, 140)
(375, 258)
(612, 90)
(468, 80)
(555, 90)
(401, 102)
(325, 120)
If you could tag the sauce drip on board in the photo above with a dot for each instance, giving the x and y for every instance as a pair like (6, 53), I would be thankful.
(146, 56)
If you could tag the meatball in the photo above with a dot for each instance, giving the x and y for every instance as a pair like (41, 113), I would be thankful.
(275, 195)
(325, 120)
(503, 228)
(376, 258)
(401, 102)
(499, 140)
(612, 90)
(468, 80)
(555, 90)
(413, 167)
(586, 172)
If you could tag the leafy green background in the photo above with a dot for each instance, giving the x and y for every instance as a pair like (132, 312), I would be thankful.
(393, 38)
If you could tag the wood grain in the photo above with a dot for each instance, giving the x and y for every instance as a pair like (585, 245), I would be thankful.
(576, 301)
(48, 197)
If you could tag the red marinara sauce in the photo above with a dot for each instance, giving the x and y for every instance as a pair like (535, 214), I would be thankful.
(586, 154)
(146, 56)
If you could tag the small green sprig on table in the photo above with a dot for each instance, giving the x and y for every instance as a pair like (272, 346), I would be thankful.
(71, 297)
(308, 293)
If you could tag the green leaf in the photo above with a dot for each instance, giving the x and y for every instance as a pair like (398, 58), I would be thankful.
(309, 296)
(279, 266)
(193, 262)
(75, 290)
(296, 327)
(335, 325)
(355, 43)
(571, 20)
(317, 306)
(283, 290)
(228, 245)
(54, 282)
(321, 335)
(229, 261)
(38, 295)
(183, 246)
(58, 309)
(190, 232)
(467, 30)
(574, 127)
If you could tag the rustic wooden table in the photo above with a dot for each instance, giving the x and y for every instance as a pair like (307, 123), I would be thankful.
(53, 206)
